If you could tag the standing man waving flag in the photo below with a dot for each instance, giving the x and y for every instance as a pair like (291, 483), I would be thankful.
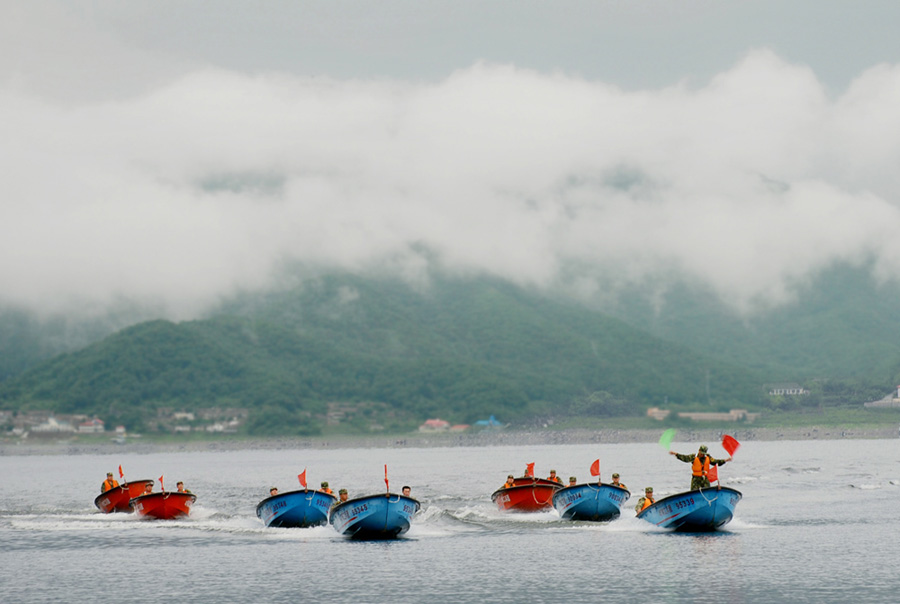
(700, 464)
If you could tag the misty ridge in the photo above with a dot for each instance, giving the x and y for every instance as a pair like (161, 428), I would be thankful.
(388, 354)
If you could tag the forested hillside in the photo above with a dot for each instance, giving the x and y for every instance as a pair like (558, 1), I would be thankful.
(461, 350)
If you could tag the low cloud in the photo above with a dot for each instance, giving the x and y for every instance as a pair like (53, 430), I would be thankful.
(213, 180)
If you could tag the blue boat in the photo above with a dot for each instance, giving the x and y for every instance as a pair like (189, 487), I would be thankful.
(383, 516)
(296, 509)
(596, 502)
(694, 511)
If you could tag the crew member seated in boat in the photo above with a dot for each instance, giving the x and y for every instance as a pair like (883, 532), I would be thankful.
(325, 488)
(109, 483)
(616, 482)
(646, 501)
(700, 466)
(342, 497)
(554, 477)
(180, 487)
(273, 491)
(510, 482)
(148, 488)
(572, 481)
(406, 491)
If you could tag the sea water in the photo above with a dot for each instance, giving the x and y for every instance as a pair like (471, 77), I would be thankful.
(818, 523)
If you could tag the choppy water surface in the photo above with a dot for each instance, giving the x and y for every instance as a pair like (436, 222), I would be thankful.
(817, 524)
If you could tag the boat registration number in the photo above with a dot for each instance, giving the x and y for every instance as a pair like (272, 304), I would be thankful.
(683, 503)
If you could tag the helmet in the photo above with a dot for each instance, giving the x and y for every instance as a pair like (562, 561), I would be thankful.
(648, 490)
(342, 491)
(572, 479)
(703, 448)
(616, 475)
(324, 483)
(553, 471)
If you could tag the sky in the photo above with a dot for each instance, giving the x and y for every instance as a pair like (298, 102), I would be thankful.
(174, 152)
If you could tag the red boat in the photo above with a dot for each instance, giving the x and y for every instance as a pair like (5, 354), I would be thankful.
(164, 505)
(118, 499)
(528, 495)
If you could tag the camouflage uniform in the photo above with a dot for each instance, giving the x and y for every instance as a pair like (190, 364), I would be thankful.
(699, 482)
(640, 504)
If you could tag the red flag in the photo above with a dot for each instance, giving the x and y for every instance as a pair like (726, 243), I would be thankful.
(595, 468)
(713, 473)
(121, 474)
(529, 469)
(161, 487)
(386, 483)
(302, 478)
(730, 444)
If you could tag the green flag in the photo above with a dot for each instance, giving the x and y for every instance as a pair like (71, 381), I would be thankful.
(665, 441)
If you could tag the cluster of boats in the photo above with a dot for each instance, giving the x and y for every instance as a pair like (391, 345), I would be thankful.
(382, 516)
(134, 496)
(693, 511)
(388, 515)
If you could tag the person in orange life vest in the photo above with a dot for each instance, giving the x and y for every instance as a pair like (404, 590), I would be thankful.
(148, 488)
(554, 477)
(616, 482)
(510, 482)
(700, 466)
(325, 488)
(572, 481)
(109, 483)
(646, 501)
(180, 487)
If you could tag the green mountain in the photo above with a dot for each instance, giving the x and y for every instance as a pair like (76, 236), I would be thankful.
(382, 352)
(841, 326)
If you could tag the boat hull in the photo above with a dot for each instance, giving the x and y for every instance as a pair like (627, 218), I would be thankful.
(385, 516)
(118, 499)
(694, 511)
(296, 509)
(165, 505)
(528, 495)
(597, 502)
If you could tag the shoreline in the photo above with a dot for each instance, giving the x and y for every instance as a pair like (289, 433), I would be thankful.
(500, 438)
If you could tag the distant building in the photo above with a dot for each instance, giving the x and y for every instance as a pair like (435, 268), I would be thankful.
(434, 425)
(657, 413)
(53, 426)
(891, 401)
(704, 416)
(788, 390)
(91, 426)
(732, 416)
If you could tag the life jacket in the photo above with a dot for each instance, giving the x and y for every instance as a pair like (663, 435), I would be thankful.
(700, 468)
(648, 501)
(509, 484)
(555, 479)
(327, 490)
(109, 484)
